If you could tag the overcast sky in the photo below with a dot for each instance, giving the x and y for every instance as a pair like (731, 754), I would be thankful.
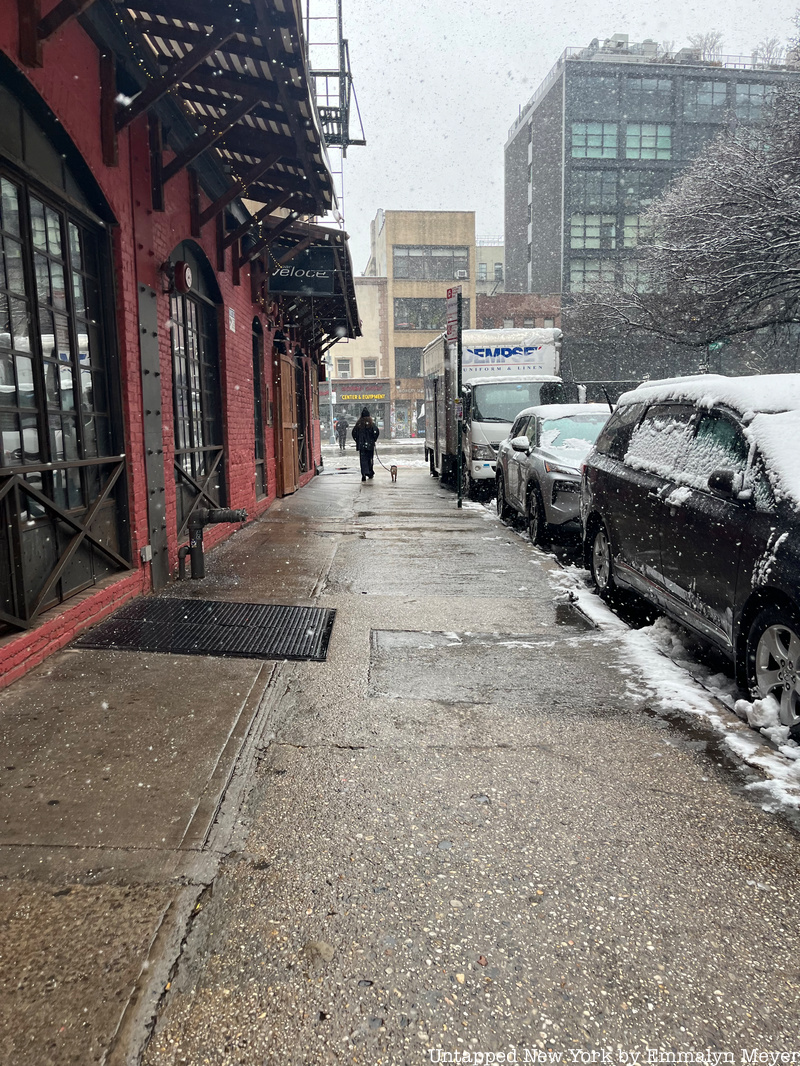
(439, 84)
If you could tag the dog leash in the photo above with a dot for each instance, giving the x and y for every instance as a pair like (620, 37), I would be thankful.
(385, 467)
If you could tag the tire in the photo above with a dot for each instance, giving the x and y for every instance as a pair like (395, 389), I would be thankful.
(601, 564)
(503, 510)
(537, 525)
(773, 660)
(467, 484)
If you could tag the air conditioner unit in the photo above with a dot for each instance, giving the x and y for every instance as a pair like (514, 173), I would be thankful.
(462, 274)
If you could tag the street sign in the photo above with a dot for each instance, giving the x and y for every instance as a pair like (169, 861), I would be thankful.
(459, 409)
(451, 333)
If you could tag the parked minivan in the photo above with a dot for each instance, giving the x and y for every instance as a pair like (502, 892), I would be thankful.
(691, 498)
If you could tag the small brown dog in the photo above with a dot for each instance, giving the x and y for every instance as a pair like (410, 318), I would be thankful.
(393, 472)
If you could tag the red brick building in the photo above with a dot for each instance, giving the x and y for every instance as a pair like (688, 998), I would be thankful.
(517, 310)
(165, 295)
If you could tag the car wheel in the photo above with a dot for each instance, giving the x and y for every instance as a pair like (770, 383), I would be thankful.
(537, 526)
(773, 660)
(467, 484)
(503, 512)
(600, 561)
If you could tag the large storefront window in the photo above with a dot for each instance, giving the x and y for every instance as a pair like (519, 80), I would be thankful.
(60, 465)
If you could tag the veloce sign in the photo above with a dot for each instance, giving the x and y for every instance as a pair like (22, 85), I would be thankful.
(309, 273)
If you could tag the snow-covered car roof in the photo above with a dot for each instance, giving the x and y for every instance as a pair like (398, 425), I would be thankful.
(767, 393)
(769, 404)
(566, 410)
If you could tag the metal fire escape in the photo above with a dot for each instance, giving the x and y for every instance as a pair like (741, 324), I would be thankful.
(329, 62)
(332, 83)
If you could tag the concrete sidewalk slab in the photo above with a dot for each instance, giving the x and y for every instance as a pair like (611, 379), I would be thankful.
(119, 793)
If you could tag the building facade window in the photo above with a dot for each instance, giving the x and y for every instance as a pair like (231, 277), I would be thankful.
(430, 263)
(498, 272)
(343, 368)
(648, 98)
(549, 323)
(598, 94)
(704, 101)
(508, 323)
(483, 269)
(593, 231)
(528, 323)
(593, 190)
(425, 312)
(258, 410)
(370, 368)
(635, 230)
(594, 140)
(640, 187)
(648, 140)
(591, 275)
(750, 99)
(636, 277)
(408, 362)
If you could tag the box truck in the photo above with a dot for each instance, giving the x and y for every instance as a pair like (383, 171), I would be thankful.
(503, 371)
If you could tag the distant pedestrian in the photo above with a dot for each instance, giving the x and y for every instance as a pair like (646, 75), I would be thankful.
(365, 433)
(342, 426)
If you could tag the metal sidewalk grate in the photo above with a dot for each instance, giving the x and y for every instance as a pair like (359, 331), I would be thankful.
(212, 627)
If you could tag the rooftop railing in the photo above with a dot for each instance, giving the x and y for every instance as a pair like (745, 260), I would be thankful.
(635, 53)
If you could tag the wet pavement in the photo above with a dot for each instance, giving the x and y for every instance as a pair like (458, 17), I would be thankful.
(462, 833)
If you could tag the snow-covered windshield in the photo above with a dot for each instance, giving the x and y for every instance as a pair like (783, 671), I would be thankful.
(576, 433)
(502, 401)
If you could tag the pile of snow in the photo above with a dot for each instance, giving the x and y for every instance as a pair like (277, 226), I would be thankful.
(664, 672)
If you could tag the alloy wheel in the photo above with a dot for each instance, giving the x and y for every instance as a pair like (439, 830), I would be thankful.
(777, 669)
(601, 560)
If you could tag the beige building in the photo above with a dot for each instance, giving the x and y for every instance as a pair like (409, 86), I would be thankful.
(360, 367)
(490, 266)
(416, 256)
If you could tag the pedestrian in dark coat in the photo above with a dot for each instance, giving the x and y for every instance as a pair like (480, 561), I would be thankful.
(342, 426)
(365, 433)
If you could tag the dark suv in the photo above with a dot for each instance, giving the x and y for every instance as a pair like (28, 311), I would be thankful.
(691, 497)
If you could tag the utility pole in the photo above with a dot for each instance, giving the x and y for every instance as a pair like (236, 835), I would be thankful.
(453, 346)
(459, 403)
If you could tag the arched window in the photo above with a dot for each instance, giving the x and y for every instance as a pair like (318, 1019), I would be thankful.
(62, 502)
(199, 450)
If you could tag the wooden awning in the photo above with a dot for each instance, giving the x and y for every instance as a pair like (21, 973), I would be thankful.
(239, 71)
(324, 319)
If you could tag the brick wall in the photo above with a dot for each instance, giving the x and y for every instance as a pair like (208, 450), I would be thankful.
(519, 307)
(142, 240)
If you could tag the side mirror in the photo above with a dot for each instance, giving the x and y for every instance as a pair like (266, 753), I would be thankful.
(721, 481)
(729, 483)
(520, 444)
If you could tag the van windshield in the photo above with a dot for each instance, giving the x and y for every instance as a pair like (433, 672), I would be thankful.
(502, 401)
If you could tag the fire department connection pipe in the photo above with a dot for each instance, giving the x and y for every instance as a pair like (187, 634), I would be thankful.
(200, 518)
